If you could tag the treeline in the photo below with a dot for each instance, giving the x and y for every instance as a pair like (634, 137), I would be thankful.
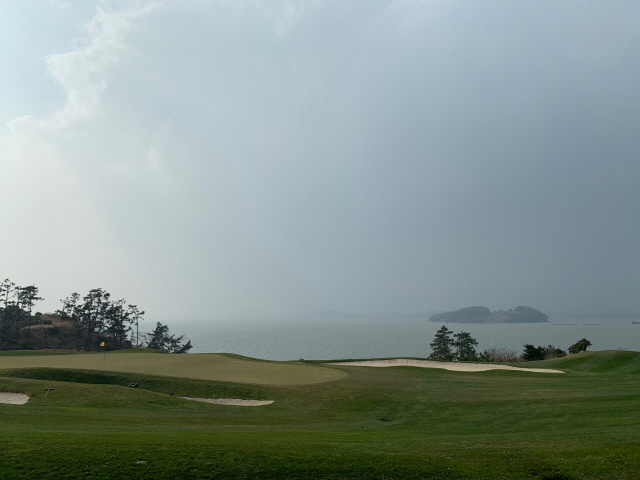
(83, 323)
(450, 347)
(103, 319)
(520, 314)
(16, 306)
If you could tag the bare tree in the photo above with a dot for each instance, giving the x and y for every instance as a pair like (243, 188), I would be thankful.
(70, 306)
(7, 292)
(135, 316)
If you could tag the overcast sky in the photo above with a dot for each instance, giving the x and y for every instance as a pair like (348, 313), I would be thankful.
(208, 159)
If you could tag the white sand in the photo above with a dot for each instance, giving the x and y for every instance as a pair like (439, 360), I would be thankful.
(232, 401)
(459, 367)
(13, 398)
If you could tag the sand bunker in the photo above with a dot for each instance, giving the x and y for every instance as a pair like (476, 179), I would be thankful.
(459, 367)
(13, 398)
(232, 401)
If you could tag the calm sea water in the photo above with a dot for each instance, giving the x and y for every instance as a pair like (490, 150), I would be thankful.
(291, 340)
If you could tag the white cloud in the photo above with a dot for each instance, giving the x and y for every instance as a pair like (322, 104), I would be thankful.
(51, 226)
(81, 72)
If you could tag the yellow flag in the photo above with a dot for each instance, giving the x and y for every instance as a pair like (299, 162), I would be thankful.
(102, 344)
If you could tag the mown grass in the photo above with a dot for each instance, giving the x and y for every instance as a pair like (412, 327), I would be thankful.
(204, 366)
(29, 353)
(174, 386)
(400, 422)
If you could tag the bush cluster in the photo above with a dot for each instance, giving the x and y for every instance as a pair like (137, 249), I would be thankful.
(448, 347)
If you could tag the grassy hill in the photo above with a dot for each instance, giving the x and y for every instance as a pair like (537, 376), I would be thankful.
(354, 422)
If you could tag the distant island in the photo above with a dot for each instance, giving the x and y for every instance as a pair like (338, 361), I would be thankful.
(484, 315)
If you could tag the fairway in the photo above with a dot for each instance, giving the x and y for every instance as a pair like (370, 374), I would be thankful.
(202, 366)
(369, 423)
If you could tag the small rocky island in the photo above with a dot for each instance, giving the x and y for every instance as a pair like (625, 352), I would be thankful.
(484, 315)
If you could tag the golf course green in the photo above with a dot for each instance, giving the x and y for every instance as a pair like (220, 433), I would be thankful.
(326, 421)
(203, 366)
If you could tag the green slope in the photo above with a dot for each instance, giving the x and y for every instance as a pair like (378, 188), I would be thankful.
(611, 362)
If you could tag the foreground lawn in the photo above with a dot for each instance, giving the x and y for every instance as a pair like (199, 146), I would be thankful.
(399, 422)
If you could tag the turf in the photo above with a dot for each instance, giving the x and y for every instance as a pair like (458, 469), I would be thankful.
(401, 422)
(203, 366)
(27, 353)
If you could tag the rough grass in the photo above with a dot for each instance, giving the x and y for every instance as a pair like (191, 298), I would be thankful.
(374, 423)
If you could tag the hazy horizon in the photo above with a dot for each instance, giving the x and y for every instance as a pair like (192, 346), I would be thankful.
(211, 159)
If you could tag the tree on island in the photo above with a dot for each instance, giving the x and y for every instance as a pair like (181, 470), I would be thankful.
(479, 314)
(524, 314)
(464, 315)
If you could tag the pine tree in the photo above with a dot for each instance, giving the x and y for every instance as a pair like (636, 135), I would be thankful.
(532, 353)
(71, 307)
(442, 345)
(465, 347)
(27, 298)
(92, 312)
(117, 321)
(160, 339)
(135, 315)
(10, 314)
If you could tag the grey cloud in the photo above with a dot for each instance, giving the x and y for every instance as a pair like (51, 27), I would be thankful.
(366, 156)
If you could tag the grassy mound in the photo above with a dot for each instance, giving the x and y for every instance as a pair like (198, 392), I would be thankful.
(612, 362)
